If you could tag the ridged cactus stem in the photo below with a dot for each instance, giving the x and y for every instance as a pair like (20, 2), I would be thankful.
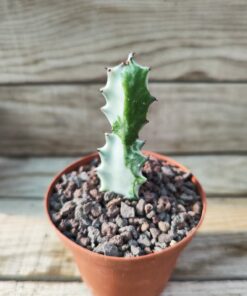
(127, 102)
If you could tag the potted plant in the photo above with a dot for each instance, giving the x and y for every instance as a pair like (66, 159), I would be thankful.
(125, 214)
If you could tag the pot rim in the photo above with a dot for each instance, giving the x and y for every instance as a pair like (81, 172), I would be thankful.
(73, 244)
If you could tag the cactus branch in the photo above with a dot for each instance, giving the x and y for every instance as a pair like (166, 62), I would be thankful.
(127, 102)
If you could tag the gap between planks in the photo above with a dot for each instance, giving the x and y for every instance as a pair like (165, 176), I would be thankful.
(102, 81)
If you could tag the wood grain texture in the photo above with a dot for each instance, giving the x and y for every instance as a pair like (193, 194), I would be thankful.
(220, 175)
(212, 288)
(64, 41)
(65, 120)
(30, 249)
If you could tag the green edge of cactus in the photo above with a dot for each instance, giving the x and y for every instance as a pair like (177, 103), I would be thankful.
(127, 101)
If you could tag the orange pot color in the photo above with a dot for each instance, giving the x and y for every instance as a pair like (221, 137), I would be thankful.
(116, 276)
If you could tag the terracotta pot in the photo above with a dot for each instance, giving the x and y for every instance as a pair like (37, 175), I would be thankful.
(113, 276)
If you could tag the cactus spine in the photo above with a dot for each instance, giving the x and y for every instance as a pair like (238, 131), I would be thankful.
(127, 102)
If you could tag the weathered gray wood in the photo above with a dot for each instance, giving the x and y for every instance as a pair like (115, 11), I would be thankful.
(223, 175)
(59, 120)
(28, 177)
(212, 288)
(64, 41)
(31, 251)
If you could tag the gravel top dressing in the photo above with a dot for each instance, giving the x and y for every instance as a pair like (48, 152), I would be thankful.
(168, 207)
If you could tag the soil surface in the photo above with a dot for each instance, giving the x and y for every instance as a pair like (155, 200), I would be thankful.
(168, 207)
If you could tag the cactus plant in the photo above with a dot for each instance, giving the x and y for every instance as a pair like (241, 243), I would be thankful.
(127, 102)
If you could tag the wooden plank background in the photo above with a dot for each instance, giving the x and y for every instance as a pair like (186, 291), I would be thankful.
(72, 41)
(51, 70)
(52, 59)
(232, 288)
(65, 120)
(221, 175)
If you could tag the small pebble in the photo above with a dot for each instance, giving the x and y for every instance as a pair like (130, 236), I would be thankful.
(83, 241)
(111, 250)
(83, 176)
(108, 229)
(56, 217)
(108, 196)
(77, 194)
(148, 208)
(171, 187)
(154, 232)
(96, 210)
(130, 229)
(95, 194)
(164, 226)
(114, 202)
(128, 254)
(196, 208)
(191, 214)
(112, 211)
(96, 223)
(135, 250)
(186, 197)
(93, 233)
(133, 242)
(127, 211)
(85, 220)
(126, 235)
(164, 238)
(161, 245)
(161, 206)
(147, 250)
(149, 196)
(181, 208)
(124, 247)
(144, 226)
(86, 208)
(167, 171)
(173, 242)
(163, 216)
(151, 214)
(144, 240)
(121, 222)
(68, 209)
(140, 207)
(117, 240)
(187, 176)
